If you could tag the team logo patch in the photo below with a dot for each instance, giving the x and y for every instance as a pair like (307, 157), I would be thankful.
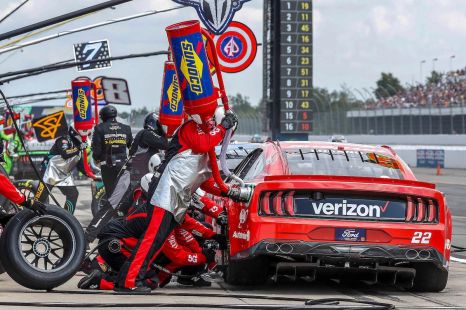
(215, 14)
(191, 67)
(236, 48)
(50, 126)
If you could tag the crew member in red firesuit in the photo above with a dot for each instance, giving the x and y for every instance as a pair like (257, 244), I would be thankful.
(10, 192)
(179, 250)
(185, 168)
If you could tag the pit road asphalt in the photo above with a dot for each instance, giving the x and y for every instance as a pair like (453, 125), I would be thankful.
(451, 182)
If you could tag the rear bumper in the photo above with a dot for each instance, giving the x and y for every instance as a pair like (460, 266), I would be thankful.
(337, 254)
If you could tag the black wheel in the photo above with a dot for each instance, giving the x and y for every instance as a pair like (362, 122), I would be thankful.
(43, 251)
(251, 271)
(429, 278)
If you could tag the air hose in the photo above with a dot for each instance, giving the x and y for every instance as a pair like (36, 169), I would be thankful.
(223, 158)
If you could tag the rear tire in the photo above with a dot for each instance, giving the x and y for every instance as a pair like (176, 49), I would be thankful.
(251, 271)
(43, 251)
(429, 278)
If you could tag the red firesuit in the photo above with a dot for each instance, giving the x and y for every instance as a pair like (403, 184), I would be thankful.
(9, 191)
(182, 249)
(185, 168)
(179, 250)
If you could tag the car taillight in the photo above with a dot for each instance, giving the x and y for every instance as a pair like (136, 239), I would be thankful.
(277, 203)
(411, 210)
(265, 204)
(289, 203)
(432, 212)
(421, 210)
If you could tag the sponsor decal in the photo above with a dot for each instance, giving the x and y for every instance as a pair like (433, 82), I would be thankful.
(215, 14)
(243, 215)
(351, 208)
(344, 208)
(242, 235)
(50, 126)
(236, 48)
(82, 103)
(350, 234)
(174, 94)
(447, 244)
(191, 67)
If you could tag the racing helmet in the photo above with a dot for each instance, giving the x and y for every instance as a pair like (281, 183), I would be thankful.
(145, 181)
(151, 122)
(73, 133)
(154, 162)
(108, 112)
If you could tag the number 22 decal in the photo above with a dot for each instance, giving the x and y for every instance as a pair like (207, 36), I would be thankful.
(421, 237)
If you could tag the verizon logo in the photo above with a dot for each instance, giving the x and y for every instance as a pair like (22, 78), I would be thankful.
(348, 209)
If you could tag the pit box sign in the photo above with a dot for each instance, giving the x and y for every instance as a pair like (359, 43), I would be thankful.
(92, 51)
(428, 158)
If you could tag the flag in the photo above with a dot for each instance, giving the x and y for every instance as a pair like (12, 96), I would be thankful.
(50, 126)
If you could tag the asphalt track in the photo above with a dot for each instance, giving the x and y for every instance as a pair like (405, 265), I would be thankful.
(290, 294)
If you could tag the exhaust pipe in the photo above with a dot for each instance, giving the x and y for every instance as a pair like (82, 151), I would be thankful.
(286, 248)
(272, 247)
(412, 254)
(424, 254)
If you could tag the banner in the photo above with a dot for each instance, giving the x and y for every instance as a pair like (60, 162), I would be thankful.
(50, 126)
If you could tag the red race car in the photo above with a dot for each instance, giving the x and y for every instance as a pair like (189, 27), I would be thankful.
(337, 210)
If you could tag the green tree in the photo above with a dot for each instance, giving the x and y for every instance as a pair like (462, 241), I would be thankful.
(241, 104)
(387, 86)
(434, 78)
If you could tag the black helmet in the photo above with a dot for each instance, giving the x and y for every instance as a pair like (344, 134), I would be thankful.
(108, 112)
(73, 133)
(151, 122)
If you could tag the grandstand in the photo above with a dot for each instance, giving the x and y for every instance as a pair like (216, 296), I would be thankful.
(431, 108)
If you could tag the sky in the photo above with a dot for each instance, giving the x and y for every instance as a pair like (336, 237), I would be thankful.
(354, 41)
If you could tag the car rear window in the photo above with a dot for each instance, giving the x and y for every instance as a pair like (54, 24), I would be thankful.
(342, 163)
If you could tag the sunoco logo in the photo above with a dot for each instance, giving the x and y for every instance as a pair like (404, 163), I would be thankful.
(174, 95)
(347, 209)
(191, 66)
(82, 104)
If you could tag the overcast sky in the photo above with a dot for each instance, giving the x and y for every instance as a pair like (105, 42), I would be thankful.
(354, 40)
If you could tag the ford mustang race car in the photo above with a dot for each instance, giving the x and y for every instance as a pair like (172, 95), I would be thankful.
(337, 210)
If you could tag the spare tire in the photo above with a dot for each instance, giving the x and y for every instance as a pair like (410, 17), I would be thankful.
(42, 252)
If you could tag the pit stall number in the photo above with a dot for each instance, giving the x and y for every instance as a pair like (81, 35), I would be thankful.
(296, 66)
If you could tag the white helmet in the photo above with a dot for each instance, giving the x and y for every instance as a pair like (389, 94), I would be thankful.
(145, 181)
(154, 162)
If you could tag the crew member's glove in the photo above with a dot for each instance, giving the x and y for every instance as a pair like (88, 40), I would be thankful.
(221, 240)
(83, 146)
(34, 205)
(209, 255)
(222, 218)
(196, 202)
(229, 120)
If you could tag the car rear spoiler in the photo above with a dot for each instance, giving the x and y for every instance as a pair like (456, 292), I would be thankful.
(349, 179)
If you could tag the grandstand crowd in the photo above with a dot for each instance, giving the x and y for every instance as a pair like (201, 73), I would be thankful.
(450, 91)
